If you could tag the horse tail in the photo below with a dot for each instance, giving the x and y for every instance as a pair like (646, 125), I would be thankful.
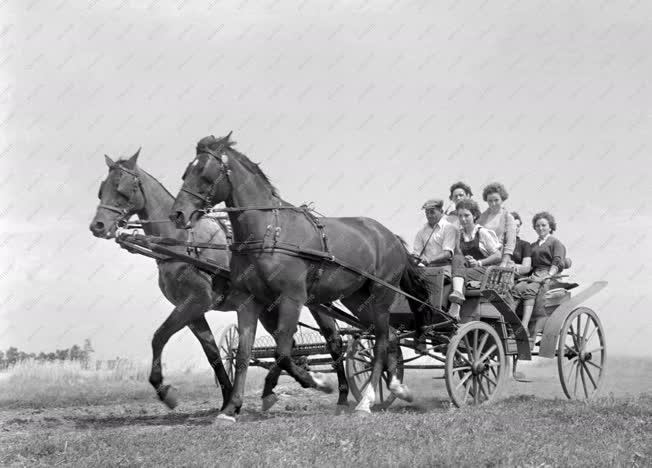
(414, 282)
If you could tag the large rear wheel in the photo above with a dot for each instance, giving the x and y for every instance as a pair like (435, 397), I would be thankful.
(475, 364)
(359, 363)
(581, 354)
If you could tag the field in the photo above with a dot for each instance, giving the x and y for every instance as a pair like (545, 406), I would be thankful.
(62, 415)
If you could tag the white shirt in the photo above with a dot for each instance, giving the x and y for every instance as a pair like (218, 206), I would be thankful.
(442, 239)
(488, 241)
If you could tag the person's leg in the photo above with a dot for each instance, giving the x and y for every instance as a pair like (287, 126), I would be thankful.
(458, 273)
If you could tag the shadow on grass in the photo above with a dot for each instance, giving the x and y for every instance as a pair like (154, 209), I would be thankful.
(196, 418)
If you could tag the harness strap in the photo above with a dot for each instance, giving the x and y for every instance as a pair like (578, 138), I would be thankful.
(311, 254)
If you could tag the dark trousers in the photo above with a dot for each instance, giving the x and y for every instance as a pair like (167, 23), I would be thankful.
(461, 269)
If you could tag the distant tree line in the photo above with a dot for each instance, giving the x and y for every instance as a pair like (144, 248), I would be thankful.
(82, 354)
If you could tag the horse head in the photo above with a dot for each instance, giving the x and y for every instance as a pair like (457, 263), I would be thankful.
(120, 197)
(205, 182)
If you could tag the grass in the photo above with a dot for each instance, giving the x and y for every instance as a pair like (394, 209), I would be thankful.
(531, 426)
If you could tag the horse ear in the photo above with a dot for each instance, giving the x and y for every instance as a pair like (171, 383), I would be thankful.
(134, 158)
(109, 161)
(228, 137)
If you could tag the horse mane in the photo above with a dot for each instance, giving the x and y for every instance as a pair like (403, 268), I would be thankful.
(212, 144)
(121, 161)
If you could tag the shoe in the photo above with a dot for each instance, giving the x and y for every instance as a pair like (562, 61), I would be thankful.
(456, 297)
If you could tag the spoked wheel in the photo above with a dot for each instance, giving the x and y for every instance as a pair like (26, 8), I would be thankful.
(475, 364)
(359, 363)
(228, 346)
(581, 354)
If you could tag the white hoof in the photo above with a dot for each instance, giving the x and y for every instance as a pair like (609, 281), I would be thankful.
(224, 418)
(401, 390)
(269, 401)
(362, 412)
(321, 383)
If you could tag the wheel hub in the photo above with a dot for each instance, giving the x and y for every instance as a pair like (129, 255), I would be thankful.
(477, 367)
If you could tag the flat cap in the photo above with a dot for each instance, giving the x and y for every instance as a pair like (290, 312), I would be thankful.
(433, 203)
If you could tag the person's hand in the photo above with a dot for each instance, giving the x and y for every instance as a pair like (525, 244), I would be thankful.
(472, 261)
(542, 278)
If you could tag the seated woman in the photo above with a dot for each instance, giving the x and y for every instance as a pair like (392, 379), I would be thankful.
(458, 191)
(548, 259)
(498, 219)
(522, 256)
(476, 249)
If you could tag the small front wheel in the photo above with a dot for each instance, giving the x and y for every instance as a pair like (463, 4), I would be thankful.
(475, 364)
(359, 363)
(228, 347)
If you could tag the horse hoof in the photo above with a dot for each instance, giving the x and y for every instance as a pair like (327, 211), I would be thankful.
(269, 401)
(403, 392)
(169, 396)
(321, 383)
(224, 419)
(341, 409)
(362, 413)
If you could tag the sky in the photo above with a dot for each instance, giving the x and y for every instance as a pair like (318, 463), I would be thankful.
(366, 108)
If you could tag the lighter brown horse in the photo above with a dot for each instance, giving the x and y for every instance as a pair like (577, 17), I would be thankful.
(129, 190)
(268, 233)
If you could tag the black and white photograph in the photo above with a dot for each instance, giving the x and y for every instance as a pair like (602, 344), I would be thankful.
(325, 233)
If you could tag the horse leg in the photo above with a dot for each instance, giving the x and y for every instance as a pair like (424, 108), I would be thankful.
(248, 313)
(270, 322)
(202, 332)
(289, 311)
(178, 319)
(394, 384)
(381, 301)
(335, 346)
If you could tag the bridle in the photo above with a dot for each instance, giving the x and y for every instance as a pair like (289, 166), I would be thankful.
(225, 172)
(125, 211)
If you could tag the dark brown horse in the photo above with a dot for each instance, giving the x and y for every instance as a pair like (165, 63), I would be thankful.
(129, 190)
(268, 234)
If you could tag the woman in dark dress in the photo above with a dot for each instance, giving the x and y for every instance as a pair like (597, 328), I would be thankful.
(522, 256)
(548, 256)
(476, 249)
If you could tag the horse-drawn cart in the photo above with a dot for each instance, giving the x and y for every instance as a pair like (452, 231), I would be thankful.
(472, 354)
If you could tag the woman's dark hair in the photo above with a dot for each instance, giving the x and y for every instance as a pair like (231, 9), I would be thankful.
(461, 185)
(547, 216)
(516, 216)
(495, 187)
(468, 204)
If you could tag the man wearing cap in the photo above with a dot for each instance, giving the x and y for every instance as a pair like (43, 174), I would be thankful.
(435, 242)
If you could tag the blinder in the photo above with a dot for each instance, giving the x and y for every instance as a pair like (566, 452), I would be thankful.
(209, 176)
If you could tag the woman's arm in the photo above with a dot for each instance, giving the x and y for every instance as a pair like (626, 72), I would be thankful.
(492, 259)
(491, 245)
(558, 252)
(525, 266)
(509, 238)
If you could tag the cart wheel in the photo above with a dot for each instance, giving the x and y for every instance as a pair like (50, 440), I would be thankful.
(475, 364)
(359, 357)
(581, 354)
(228, 346)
